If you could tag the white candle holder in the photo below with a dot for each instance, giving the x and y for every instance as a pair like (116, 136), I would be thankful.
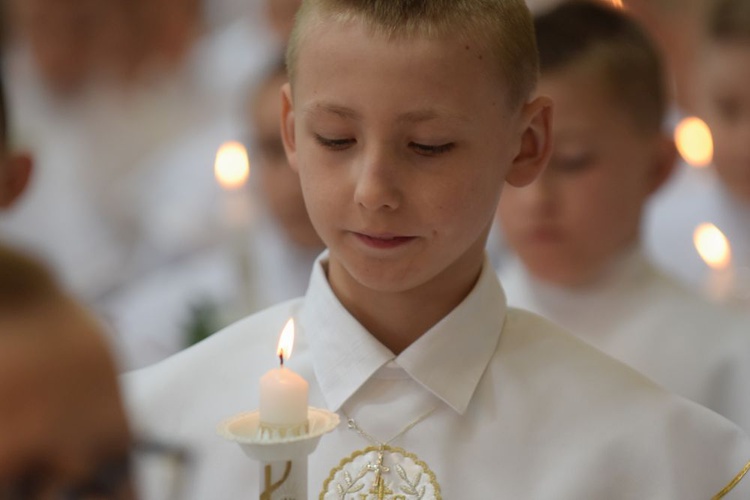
(283, 460)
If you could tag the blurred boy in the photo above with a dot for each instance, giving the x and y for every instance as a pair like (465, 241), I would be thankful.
(284, 243)
(404, 120)
(721, 194)
(576, 229)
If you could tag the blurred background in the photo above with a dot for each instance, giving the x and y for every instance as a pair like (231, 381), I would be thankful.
(125, 105)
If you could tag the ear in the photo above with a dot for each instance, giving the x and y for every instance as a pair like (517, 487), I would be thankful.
(18, 172)
(665, 160)
(536, 142)
(287, 125)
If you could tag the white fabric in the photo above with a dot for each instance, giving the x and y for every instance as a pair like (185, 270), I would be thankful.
(693, 197)
(149, 318)
(525, 411)
(645, 319)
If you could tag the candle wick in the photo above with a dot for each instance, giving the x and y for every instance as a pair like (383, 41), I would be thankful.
(281, 358)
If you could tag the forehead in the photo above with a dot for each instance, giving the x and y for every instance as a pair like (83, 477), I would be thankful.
(584, 98)
(342, 59)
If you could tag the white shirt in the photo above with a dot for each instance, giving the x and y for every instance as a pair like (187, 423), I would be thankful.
(693, 197)
(644, 318)
(524, 410)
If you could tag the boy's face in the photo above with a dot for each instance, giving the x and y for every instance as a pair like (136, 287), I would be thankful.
(402, 148)
(725, 103)
(279, 183)
(585, 208)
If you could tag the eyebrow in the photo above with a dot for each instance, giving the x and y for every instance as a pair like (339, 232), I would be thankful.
(335, 109)
(416, 116)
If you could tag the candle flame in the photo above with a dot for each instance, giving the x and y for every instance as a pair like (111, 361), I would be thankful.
(232, 167)
(286, 341)
(694, 141)
(712, 246)
(618, 4)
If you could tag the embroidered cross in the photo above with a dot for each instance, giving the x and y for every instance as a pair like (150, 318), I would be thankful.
(379, 488)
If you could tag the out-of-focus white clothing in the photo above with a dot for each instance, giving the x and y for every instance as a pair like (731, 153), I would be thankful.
(644, 318)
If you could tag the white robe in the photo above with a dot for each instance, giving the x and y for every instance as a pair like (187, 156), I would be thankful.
(149, 319)
(693, 197)
(524, 410)
(644, 318)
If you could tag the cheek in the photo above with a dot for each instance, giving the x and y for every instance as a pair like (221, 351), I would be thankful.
(592, 206)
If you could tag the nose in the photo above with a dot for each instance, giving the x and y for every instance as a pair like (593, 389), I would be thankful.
(377, 181)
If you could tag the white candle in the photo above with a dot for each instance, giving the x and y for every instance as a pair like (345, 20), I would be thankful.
(714, 248)
(283, 393)
(232, 170)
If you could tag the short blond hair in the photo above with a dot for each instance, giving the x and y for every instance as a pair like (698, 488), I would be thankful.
(504, 27)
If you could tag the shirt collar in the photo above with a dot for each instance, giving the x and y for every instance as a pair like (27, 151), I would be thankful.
(448, 360)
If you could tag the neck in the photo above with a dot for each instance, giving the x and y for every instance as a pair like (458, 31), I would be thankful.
(397, 319)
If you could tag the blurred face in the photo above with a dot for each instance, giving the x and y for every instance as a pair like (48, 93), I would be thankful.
(725, 104)
(402, 149)
(279, 183)
(585, 208)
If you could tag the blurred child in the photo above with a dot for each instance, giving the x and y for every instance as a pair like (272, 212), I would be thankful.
(719, 195)
(404, 120)
(284, 244)
(192, 297)
(576, 229)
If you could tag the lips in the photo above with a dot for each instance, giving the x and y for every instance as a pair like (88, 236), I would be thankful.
(383, 241)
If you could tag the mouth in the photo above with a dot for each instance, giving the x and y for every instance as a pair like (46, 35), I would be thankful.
(383, 241)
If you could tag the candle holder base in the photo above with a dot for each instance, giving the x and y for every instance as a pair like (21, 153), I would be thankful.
(243, 429)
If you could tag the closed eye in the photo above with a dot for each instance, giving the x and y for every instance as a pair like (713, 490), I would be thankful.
(429, 150)
(334, 144)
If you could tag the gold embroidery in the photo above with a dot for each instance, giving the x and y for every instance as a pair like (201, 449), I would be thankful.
(379, 489)
(734, 482)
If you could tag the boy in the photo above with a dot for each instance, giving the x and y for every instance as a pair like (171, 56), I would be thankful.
(720, 194)
(576, 228)
(404, 120)
(284, 242)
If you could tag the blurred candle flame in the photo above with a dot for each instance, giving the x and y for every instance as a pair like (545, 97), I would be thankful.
(694, 141)
(618, 4)
(232, 168)
(286, 341)
(712, 246)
